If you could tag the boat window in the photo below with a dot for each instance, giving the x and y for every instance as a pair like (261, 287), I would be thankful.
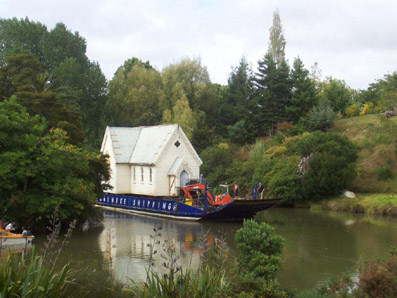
(134, 174)
(142, 174)
(3, 234)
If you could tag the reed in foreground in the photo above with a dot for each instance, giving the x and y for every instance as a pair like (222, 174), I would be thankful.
(201, 283)
(30, 277)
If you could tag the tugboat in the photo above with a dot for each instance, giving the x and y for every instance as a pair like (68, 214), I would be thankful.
(194, 203)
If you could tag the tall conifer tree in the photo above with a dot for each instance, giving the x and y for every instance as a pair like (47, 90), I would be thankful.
(304, 94)
(272, 82)
(236, 105)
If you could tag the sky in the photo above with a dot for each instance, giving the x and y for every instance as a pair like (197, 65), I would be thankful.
(350, 40)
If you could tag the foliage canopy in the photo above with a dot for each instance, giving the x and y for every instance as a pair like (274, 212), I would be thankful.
(41, 170)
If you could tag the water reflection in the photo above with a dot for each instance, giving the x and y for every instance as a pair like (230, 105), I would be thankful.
(322, 244)
(318, 244)
(126, 241)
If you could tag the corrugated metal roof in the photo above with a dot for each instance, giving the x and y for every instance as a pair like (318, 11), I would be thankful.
(124, 140)
(151, 142)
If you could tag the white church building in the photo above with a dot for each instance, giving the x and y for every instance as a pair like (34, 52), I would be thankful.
(150, 160)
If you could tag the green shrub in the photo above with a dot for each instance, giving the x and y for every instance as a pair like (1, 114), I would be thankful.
(332, 165)
(244, 286)
(378, 279)
(237, 133)
(277, 139)
(275, 151)
(320, 117)
(384, 173)
(216, 160)
(284, 181)
(352, 110)
(259, 164)
(338, 286)
(21, 277)
(368, 108)
(284, 127)
(202, 283)
(259, 250)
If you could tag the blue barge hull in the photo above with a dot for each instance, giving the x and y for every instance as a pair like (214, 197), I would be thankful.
(165, 207)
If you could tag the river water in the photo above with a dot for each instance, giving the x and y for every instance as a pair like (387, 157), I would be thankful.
(318, 244)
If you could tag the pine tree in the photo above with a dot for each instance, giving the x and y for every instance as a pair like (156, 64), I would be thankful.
(272, 82)
(273, 94)
(236, 105)
(304, 94)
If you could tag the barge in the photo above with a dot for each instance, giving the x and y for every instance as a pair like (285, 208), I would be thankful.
(195, 203)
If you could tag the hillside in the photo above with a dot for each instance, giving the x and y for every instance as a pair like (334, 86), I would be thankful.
(377, 162)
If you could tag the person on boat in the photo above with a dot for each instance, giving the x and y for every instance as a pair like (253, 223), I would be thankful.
(10, 227)
(24, 232)
(261, 190)
(254, 192)
(235, 190)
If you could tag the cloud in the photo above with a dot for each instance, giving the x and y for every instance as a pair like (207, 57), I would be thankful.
(351, 40)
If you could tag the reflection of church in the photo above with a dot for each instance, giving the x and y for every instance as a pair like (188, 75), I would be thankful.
(125, 243)
(150, 160)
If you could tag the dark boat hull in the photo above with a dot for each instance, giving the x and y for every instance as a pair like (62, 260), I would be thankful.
(165, 207)
(240, 209)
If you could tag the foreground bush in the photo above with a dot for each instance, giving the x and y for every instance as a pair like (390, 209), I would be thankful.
(203, 283)
(259, 249)
(379, 278)
(21, 277)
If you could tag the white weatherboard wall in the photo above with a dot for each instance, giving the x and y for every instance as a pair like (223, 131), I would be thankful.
(190, 164)
(164, 150)
(146, 186)
(123, 178)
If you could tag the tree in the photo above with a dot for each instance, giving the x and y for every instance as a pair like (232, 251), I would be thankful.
(216, 160)
(304, 94)
(203, 97)
(284, 181)
(135, 94)
(331, 166)
(337, 93)
(320, 117)
(259, 250)
(272, 82)
(387, 92)
(237, 104)
(21, 37)
(205, 134)
(22, 73)
(273, 93)
(277, 41)
(40, 170)
(62, 55)
(193, 79)
(181, 113)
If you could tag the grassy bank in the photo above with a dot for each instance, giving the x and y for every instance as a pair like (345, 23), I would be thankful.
(377, 204)
(377, 159)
